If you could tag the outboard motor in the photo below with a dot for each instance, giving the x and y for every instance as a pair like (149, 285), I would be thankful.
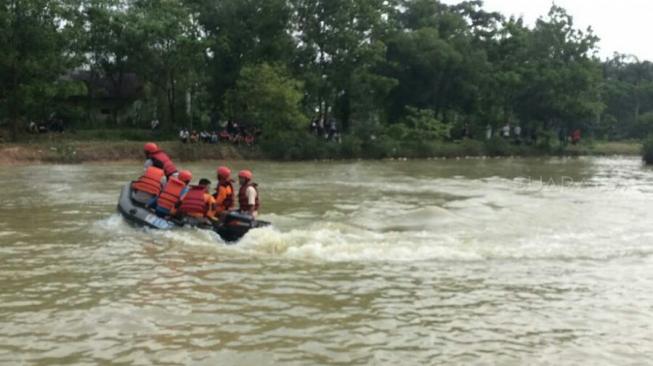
(239, 219)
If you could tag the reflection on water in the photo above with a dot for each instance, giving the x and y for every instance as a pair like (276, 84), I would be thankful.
(510, 261)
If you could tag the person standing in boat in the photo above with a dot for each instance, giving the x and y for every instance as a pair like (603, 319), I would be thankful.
(158, 158)
(248, 197)
(198, 202)
(224, 192)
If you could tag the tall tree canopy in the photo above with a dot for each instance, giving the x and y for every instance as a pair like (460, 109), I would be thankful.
(367, 64)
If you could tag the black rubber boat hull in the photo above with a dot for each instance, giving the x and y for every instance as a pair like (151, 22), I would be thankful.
(234, 229)
(139, 215)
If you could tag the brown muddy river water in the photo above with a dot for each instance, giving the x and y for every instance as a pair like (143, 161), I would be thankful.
(511, 261)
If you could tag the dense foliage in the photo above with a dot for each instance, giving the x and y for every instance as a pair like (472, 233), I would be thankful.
(647, 151)
(391, 73)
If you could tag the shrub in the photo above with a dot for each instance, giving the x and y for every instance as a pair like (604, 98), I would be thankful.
(497, 146)
(136, 135)
(380, 148)
(351, 147)
(298, 146)
(471, 147)
(424, 125)
(648, 150)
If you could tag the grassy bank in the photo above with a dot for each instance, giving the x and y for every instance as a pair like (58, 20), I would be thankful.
(72, 152)
(70, 149)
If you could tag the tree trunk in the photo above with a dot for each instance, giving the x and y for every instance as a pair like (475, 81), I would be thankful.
(189, 107)
(14, 110)
(171, 99)
(15, 80)
(14, 121)
(345, 109)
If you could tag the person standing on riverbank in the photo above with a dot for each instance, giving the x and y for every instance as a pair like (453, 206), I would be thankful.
(505, 131)
(248, 197)
(184, 135)
(517, 134)
(158, 158)
(575, 136)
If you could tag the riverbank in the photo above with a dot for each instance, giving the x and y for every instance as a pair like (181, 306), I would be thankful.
(73, 152)
(63, 151)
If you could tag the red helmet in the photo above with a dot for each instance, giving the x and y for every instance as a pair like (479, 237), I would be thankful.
(150, 148)
(185, 176)
(245, 174)
(224, 172)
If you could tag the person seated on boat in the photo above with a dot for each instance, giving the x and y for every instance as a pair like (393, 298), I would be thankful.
(167, 202)
(158, 158)
(224, 193)
(149, 185)
(198, 202)
(248, 197)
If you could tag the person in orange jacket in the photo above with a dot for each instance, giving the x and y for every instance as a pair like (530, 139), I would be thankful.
(158, 158)
(198, 202)
(167, 202)
(149, 185)
(224, 192)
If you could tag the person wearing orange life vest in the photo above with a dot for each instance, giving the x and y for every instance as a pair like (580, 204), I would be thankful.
(224, 193)
(149, 185)
(167, 202)
(198, 202)
(248, 197)
(158, 158)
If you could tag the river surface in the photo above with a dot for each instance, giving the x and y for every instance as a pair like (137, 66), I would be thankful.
(498, 261)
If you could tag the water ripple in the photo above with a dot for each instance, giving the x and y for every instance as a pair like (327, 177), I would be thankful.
(448, 262)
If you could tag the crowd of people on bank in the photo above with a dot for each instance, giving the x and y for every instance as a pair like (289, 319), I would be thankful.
(170, 194)
(232, 133)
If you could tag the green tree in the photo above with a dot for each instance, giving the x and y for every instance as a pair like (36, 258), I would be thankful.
(563, 80)
(172, 50)
(267, 97)
(439, 59)
(34, 39)
(628, 93)
(109, 45)
(242, 32)
(340, 49)
(424, 126)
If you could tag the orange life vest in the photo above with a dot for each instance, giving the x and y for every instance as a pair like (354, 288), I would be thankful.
(150, 182)
(228, 201)
(171, 194)
(242, 197)
(161, 160)
(193, 203)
